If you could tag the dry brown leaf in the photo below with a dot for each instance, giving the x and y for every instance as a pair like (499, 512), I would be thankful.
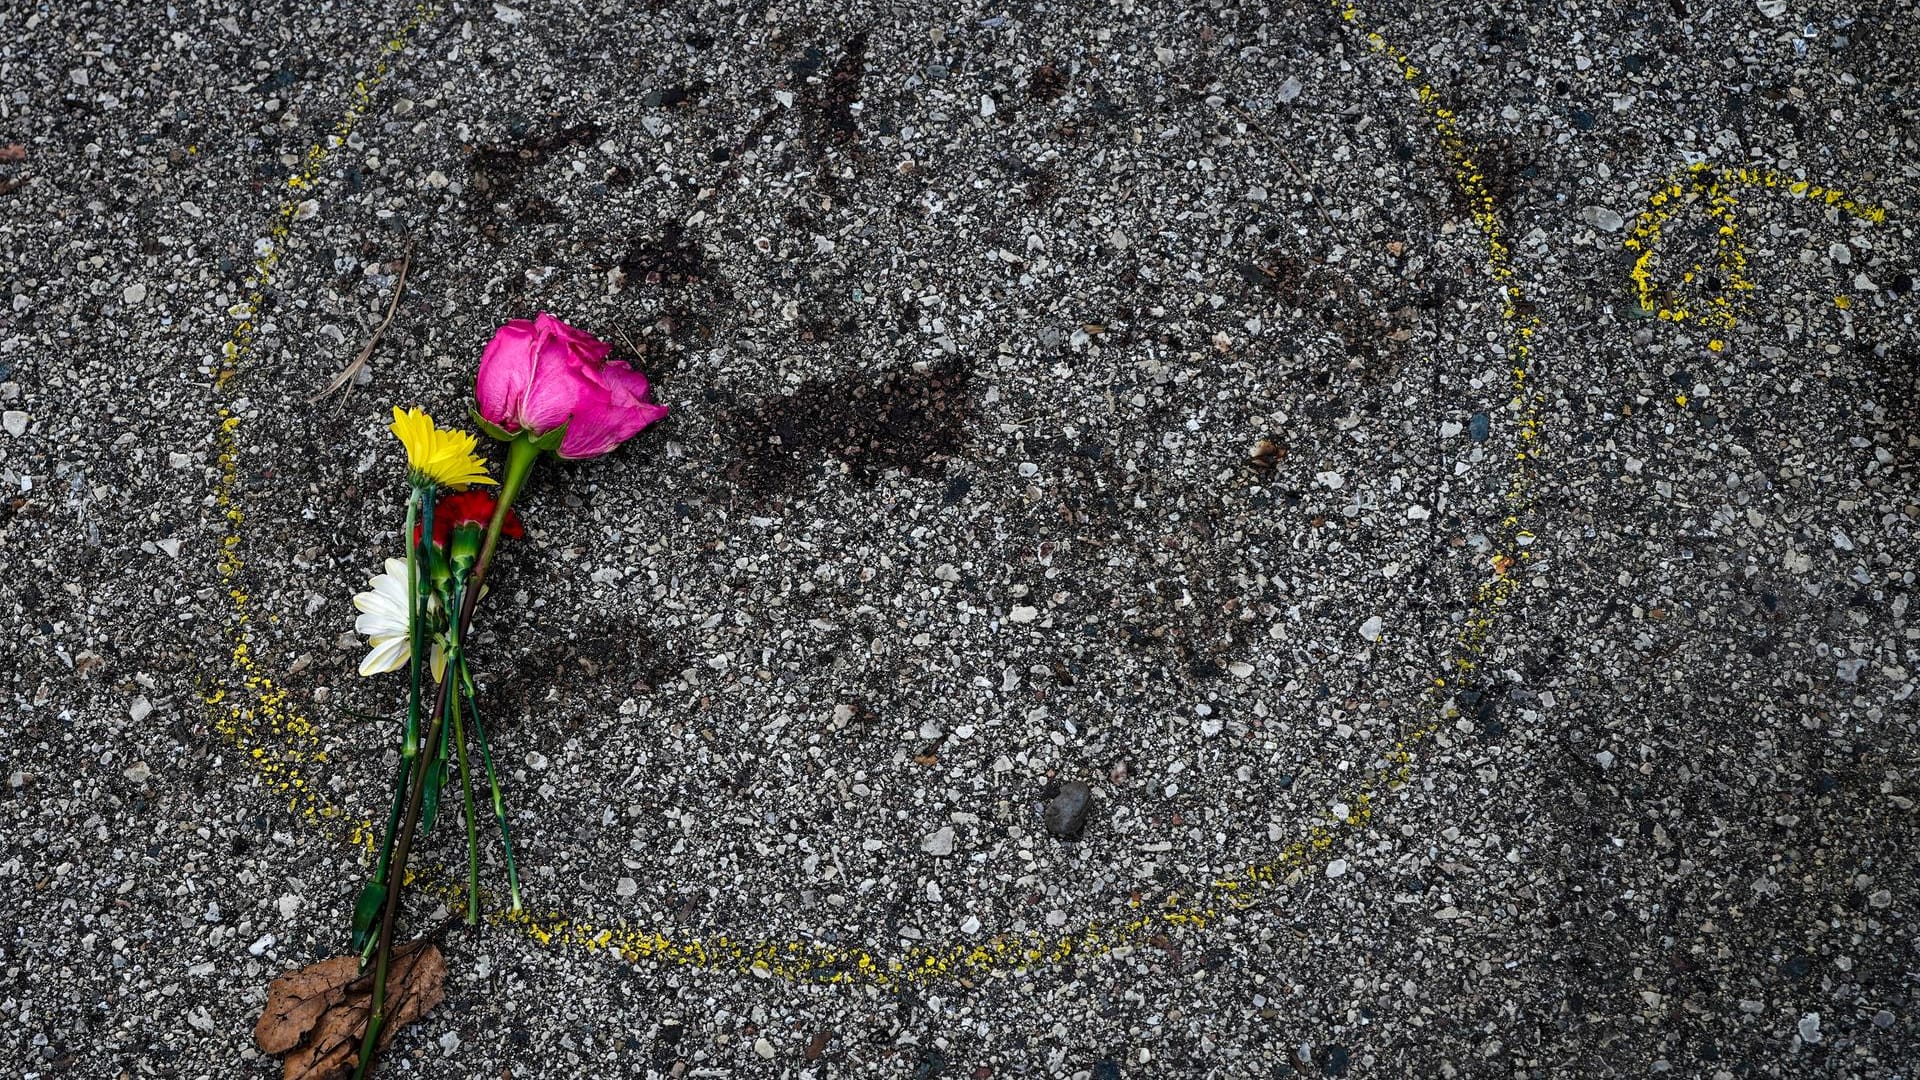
(817, 1045)
(296, 1000)
(320, 1012)
(13, 152)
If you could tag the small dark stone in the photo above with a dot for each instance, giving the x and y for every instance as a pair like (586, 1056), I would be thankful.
(1682, 378)
(1105, 1070)
(1583, 119)
(1333, 1062)
(1796, 967)
(279, 80)
(932, 1064)
(1283, 781)
(1066, 813)
(1902, 284)
(1479, 427)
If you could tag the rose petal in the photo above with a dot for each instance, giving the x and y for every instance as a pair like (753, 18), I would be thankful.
(575, 340)
(553, 383)
(506, 370)
(603, 419)
(535, 376)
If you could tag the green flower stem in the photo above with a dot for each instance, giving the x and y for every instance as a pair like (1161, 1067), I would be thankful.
(521, 456)
(377, 1017)
(421, 494)
(493, 783)
(393, 824)
(411, 733)
(419, 567)
(456, 659)
(473, 825)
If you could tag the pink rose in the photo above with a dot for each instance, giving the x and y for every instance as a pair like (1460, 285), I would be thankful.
(536, 376)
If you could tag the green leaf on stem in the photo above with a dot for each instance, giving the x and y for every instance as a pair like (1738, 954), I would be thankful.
(551, 440)
(365, 911)
(430, 797)
(493, 782)
(491, 429)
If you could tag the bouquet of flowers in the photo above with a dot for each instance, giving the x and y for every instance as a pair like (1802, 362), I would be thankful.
(543, 387)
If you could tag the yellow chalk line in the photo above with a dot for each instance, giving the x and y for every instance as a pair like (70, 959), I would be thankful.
(816, 961)
(293, 743)
(259, 720)
(1512, 541)
(1711, 188)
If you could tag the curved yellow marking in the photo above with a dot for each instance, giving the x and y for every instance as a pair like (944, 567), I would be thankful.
(1711, 190)
(280, 743)
(273, 736)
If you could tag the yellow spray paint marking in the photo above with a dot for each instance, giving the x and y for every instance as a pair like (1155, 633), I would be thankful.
(1711, 190)
(256, 716)
(283, 746)
(1469, 648)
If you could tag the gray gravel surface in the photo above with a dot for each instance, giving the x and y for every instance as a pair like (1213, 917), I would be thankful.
(1100, 399)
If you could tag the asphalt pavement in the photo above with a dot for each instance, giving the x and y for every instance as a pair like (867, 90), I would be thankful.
(1191, 540)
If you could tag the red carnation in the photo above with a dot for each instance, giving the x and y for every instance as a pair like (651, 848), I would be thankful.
(470, 507)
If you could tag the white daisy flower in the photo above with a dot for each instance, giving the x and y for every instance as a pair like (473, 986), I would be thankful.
(383, 619)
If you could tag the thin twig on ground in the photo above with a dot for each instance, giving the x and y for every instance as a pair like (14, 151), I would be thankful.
(346, 374)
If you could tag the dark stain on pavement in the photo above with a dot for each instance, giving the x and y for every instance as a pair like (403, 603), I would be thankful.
(907, 420)
(672, 258)
(498, 171)
(825, 104)
(1895, 381)
(608, 660)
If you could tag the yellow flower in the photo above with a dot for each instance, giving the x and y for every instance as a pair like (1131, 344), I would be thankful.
(442, 456)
